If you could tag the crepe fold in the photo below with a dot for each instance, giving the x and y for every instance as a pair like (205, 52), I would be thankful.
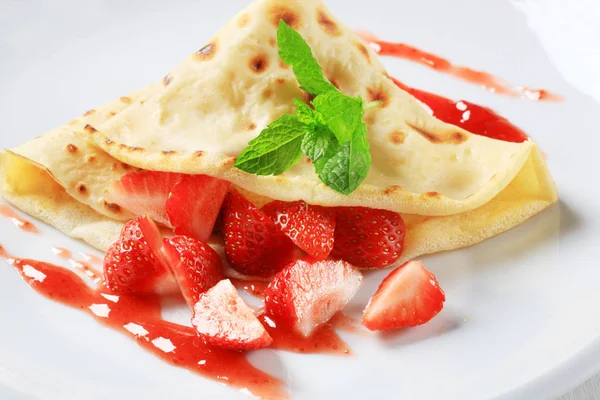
(453, 188)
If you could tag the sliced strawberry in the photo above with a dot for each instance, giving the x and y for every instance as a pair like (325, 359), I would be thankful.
(145, 192)
(310, 227)
(368, 238)
(134, 263)
(194, 204)
(223, 319)
(195, 266)
(409, 296)
(253, 243)
(306, 294)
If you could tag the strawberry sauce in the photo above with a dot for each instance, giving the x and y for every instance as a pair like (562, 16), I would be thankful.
(19, 222)
(139, 318)
(469, 116)
(486, 80)
(82, 265)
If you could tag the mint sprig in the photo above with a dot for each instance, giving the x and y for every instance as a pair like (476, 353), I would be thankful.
(331, 132)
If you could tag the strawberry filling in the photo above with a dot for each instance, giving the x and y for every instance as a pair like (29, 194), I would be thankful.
(308, 255)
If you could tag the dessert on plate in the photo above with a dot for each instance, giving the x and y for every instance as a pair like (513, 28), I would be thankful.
(280, 151)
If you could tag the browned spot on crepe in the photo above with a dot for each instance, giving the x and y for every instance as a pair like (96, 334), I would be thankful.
(397, 137)
(391, 189)
(259, 63)
(168, 152)
(134, 148)
(251, 126)
(307, 97)
(89, 129)
(111, 114)
(272, 42)
(328, 25)
(243, 20)
(167, 79)
(267, 93)
(90, 158)
(112, 207)
(378, 94)
(199, 153)
(280, 12)
(452, 137)
(432, 194)
(125, 99)
(207, 52)
(363, 50)
(71, 148)
(81, 188)
(89, 112)
(283, 65)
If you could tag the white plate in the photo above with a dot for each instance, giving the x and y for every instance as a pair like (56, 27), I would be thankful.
(521, 320)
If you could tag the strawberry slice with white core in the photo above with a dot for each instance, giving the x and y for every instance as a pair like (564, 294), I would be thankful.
(310, 227)
(223, 319)
(194, 204)
(134, 263)
(409, 296)
(195, 266)
(306, 293)
(145, 192)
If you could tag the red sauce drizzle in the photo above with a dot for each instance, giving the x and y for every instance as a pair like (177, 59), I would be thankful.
(469, 116)
(19, 222)
(139, 318)
(486, 80)
(92, 258)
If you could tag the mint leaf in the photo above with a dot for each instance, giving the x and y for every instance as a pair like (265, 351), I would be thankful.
(349, 166)
(340, 113)
(276, 149)
(306, 114)
(294, 51)
(319, 144)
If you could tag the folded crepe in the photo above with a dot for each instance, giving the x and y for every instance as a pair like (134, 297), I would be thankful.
(453, 188)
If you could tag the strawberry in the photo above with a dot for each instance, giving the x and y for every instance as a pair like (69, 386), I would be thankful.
(409, 296)
(310, 227)
(195, 266)
(223, 319)
(253, 243)
(145, 192)
(307, 293)
(368, 238)
(194, 203)
(134, 263)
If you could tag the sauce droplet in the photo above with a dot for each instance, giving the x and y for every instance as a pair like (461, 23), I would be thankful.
(19, 222)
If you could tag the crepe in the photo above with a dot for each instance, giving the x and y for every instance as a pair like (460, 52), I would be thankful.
(453, 188)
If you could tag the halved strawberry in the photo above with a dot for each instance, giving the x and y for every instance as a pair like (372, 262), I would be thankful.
(194, 204)
(223, 319)
(145, 192)
(368, 238)
(310, 227)
(409, 296)
(253, 243)
(195, 266)
(134, 263)
(306, 294)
